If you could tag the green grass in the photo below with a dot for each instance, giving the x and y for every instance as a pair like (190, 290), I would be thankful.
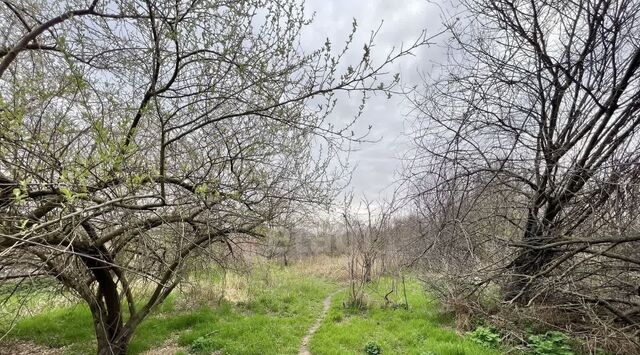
(420, 329)
(273, 321)
(281, 307)
(70, 327)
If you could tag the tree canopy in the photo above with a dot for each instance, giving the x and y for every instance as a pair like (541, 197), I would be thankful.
(138, 133)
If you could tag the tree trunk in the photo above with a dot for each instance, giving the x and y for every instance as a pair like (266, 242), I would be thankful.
(108, 320)
(368, 264)
(111, 344)
(333, 248)
(529, 262)
(112, 337)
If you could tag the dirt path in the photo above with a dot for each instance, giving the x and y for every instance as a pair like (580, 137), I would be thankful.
(27, 348)
(304, 348)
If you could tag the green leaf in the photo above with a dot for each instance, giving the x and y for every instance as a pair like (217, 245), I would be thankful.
(17, 194)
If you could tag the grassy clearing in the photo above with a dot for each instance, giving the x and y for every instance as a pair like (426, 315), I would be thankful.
(272, 320)
(421, 329)
(267, 312)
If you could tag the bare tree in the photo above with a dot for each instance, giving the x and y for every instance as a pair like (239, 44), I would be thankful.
(539, 107)
(367, 229)
(136, 134)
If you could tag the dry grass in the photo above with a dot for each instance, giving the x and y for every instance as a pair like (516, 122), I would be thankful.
(237, 285)
(326, 267)
(234, 288)
(462, 312)
(517, 323)
(170, 347)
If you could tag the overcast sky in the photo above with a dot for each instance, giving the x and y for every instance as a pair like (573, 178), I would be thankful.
(378, 163)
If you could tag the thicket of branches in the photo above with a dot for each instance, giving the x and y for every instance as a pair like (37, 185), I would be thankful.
(527, 162)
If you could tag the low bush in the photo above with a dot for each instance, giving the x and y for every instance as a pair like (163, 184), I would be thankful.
(372, 348)
(550, 343)
(485, 336)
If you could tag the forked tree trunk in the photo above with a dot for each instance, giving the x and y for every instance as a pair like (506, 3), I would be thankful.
(112, 337)
(114, 346)
(529, 262)
(108, 320)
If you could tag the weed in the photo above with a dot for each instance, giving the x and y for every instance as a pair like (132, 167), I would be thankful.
(203, 345)
(372, 348)
(550, 343)
(485, 336)
(273, 320)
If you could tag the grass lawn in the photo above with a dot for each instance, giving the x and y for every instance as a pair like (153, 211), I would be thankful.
(273, 320)
(279, 307)
(420, 329)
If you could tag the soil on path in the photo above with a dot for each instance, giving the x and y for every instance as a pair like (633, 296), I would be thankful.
(304, 348)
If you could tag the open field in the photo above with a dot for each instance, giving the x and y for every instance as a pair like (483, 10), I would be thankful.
(420, 329)
(266, 311)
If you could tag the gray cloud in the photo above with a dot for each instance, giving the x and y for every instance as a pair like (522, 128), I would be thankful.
(402, 22)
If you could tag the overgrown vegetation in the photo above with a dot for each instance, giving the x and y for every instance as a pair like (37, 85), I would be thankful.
(279, 307)
(159, 160)
(526, 169)
(269, 311)
(551, 343)
(421, 328)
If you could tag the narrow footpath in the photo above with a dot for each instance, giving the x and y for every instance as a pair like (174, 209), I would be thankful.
(304, 347)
